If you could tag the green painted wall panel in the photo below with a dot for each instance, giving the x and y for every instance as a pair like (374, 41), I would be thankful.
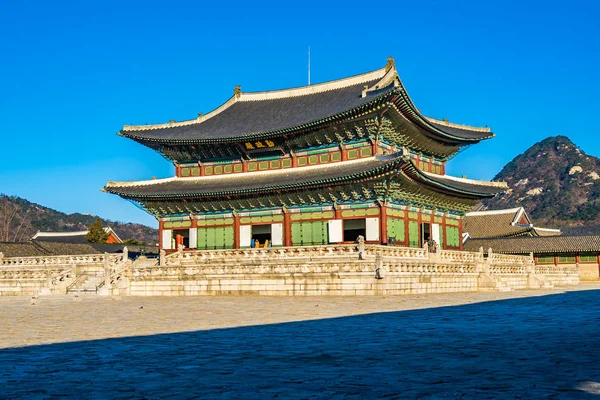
(228, 237)
(452, 237)
(307, 237)
(297, 234)
(413, 233)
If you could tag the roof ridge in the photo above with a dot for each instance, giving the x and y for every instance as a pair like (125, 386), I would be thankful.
(381, 74)
(449, 124)
(493, 212)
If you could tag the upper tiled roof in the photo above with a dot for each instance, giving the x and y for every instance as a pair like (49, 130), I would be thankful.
(461, 131)
(259, 114)
(297, 178)
(467, 185)
(537, 245)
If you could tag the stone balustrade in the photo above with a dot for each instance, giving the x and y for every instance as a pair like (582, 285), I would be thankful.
(508, 258)
(60, 260)
(506, 268)
(556, 269)
(298, 270)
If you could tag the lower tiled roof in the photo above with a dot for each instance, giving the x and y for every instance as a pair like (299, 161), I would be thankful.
(537, 245)
(296, 179)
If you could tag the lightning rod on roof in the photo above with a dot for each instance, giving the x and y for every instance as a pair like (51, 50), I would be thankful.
(308, 65)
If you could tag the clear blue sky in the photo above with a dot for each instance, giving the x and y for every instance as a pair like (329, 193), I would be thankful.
(72, 73)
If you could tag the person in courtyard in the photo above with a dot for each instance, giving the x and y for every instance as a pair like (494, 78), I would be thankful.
(360, 240)
(431, 245)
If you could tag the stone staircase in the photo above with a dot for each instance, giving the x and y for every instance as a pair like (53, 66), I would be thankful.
(85, 284)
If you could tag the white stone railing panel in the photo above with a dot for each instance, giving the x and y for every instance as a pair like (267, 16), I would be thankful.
(505, 268)
(58, 260)
(556, 269)
(509, 259)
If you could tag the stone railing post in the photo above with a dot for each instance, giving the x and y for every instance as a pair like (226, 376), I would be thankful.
(378, 266)
(106, 271)
(1, 258)
(161, 259)
(480, 261)
(488, 262)
(125, 254)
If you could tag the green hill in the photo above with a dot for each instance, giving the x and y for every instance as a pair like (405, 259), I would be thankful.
(20, 219)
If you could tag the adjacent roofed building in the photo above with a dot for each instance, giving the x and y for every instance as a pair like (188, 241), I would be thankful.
(74, 237)
(511, 231)
(511, 222)
(318, 164)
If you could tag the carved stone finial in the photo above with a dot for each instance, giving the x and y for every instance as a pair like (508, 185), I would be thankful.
(161, 260)
(125, 253)
(171, 121)
(237, 91)
(199, 115)
(390, 64)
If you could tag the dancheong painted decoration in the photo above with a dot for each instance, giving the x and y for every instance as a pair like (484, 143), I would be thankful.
(313, 165)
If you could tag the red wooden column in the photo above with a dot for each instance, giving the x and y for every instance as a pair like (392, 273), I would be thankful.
(201, 165)
(294, 159)
(244, 165)
(383, 224)
(177, 170)
(160, 229)
(374, 146)
(344, 152)
(287, 229)
(236, 230)
(460, 232)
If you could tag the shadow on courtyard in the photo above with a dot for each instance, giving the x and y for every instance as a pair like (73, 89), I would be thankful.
(538, 347)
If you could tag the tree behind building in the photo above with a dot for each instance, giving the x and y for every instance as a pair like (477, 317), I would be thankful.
(96, 233)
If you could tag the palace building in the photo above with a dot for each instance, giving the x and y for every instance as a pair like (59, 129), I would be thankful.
(312, 165)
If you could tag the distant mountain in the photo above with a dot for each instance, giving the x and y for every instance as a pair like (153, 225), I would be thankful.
(20, 219)
(556, 182)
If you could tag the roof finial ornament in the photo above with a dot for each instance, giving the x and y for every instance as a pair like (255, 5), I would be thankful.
(390, 64)
(364, 91)
(237, 91)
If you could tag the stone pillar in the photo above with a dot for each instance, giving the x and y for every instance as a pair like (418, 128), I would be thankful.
(1, 258)
(488, 261)
(480, 262)
(162, 260)
(378, 266)
(125, 254)
(106, 271)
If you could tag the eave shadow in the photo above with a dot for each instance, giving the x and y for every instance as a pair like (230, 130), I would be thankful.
(536, 347)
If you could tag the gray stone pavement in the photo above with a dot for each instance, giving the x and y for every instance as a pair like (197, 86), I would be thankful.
(524, 344)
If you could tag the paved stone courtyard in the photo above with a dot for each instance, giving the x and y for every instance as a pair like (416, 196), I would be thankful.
(525, 344)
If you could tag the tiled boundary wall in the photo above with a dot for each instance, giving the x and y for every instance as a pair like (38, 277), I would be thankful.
(287, 271)
(588, 263)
